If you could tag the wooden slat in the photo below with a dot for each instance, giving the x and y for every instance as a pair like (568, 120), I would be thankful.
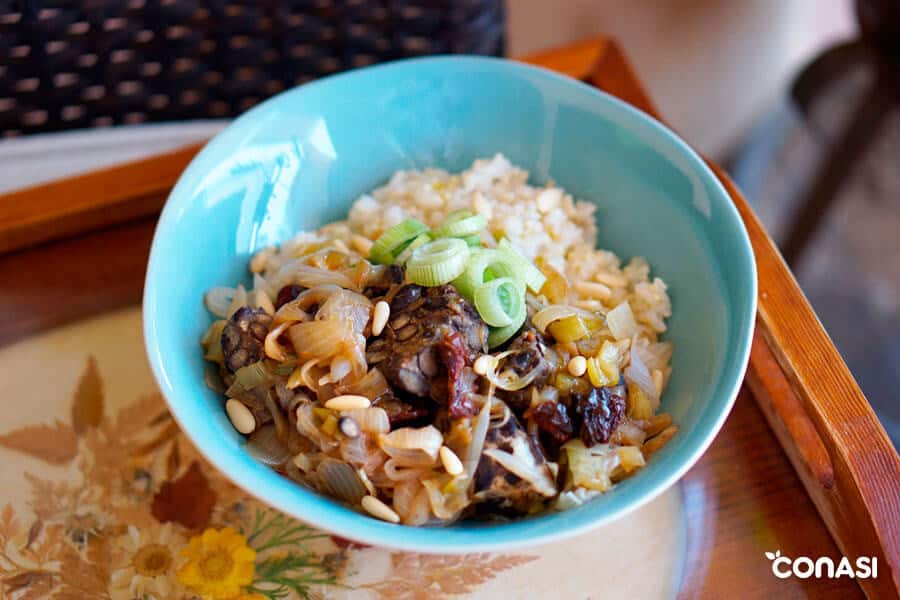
(90, 201)
(822, 419)
(577, 61)
(862, 508)
(743, 499)
(59, 282)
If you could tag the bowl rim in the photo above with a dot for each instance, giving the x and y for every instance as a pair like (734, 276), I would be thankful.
(368, 530)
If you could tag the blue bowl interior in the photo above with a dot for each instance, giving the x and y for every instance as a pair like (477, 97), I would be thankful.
(299, 160)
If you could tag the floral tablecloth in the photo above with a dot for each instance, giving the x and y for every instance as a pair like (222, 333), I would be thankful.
(104, 497)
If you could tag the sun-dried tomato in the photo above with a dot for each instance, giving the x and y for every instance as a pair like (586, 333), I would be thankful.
(452, 351)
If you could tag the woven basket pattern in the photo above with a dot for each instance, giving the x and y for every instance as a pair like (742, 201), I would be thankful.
(102, 62)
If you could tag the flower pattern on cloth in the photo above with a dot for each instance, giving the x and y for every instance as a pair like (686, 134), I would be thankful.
(127, 509)
(149, 560)
(220, 563)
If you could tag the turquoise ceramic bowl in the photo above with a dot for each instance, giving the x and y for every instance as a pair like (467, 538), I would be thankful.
(298, 161)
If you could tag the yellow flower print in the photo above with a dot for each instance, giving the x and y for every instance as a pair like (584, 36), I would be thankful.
(220, 563)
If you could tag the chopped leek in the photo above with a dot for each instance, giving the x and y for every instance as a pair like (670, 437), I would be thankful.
(403, 256)
(608, 359)
(638, 404)
(603, 369)
(568, 329)
(498, 335)
(620, 321)
(474, 241)
(485, 264)
(499, 301)
(437, 262)
(390, 243)
(458, 215)
(529, 273)
(461, 227)
(595, 374)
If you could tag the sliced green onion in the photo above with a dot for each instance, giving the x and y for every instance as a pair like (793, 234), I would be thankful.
(404, 255)
(529, 273)
(499, 335)
(461, 227)
(457, 215)
(499, 301)
(437, 262)
(486, 264)
(390, 243)
(472, 241)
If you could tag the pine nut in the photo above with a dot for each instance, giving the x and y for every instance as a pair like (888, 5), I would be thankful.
(361, 244)
(657, 381)
(380, 316)
(592, 289)
(549, 199)
(347, 402)
(577, 366)
(482, 206)
(348, 427)
(451, 462)
(260, 299)
(341, 246)
(366, 481)
(240, 416)
(379, 509)
(611, 279)
(261, 259)
(484, 364)
(591, 305)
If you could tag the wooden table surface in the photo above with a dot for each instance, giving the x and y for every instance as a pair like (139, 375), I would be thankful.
(742, 498)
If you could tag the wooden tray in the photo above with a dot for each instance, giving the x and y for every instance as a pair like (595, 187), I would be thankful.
(79, 246)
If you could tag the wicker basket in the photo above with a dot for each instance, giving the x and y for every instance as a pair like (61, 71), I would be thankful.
(102, 62)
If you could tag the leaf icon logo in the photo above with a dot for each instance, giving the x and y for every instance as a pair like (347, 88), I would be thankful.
(773, 556)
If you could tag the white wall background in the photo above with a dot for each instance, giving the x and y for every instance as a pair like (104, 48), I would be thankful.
(713, 66)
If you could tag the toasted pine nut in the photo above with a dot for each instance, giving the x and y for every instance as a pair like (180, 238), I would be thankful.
(657, 381)
(260, 260)
(348, 402)
(611, 279)
(481, 205)
(592, 305)
(361, 244)
(592, 289)
(484, 364)
(577, 366)
(260, 299)
(341, 246)
(366, 481)
(380, 316)
(240, 416)
(451, 461)
(379, 509)
(548, 199)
